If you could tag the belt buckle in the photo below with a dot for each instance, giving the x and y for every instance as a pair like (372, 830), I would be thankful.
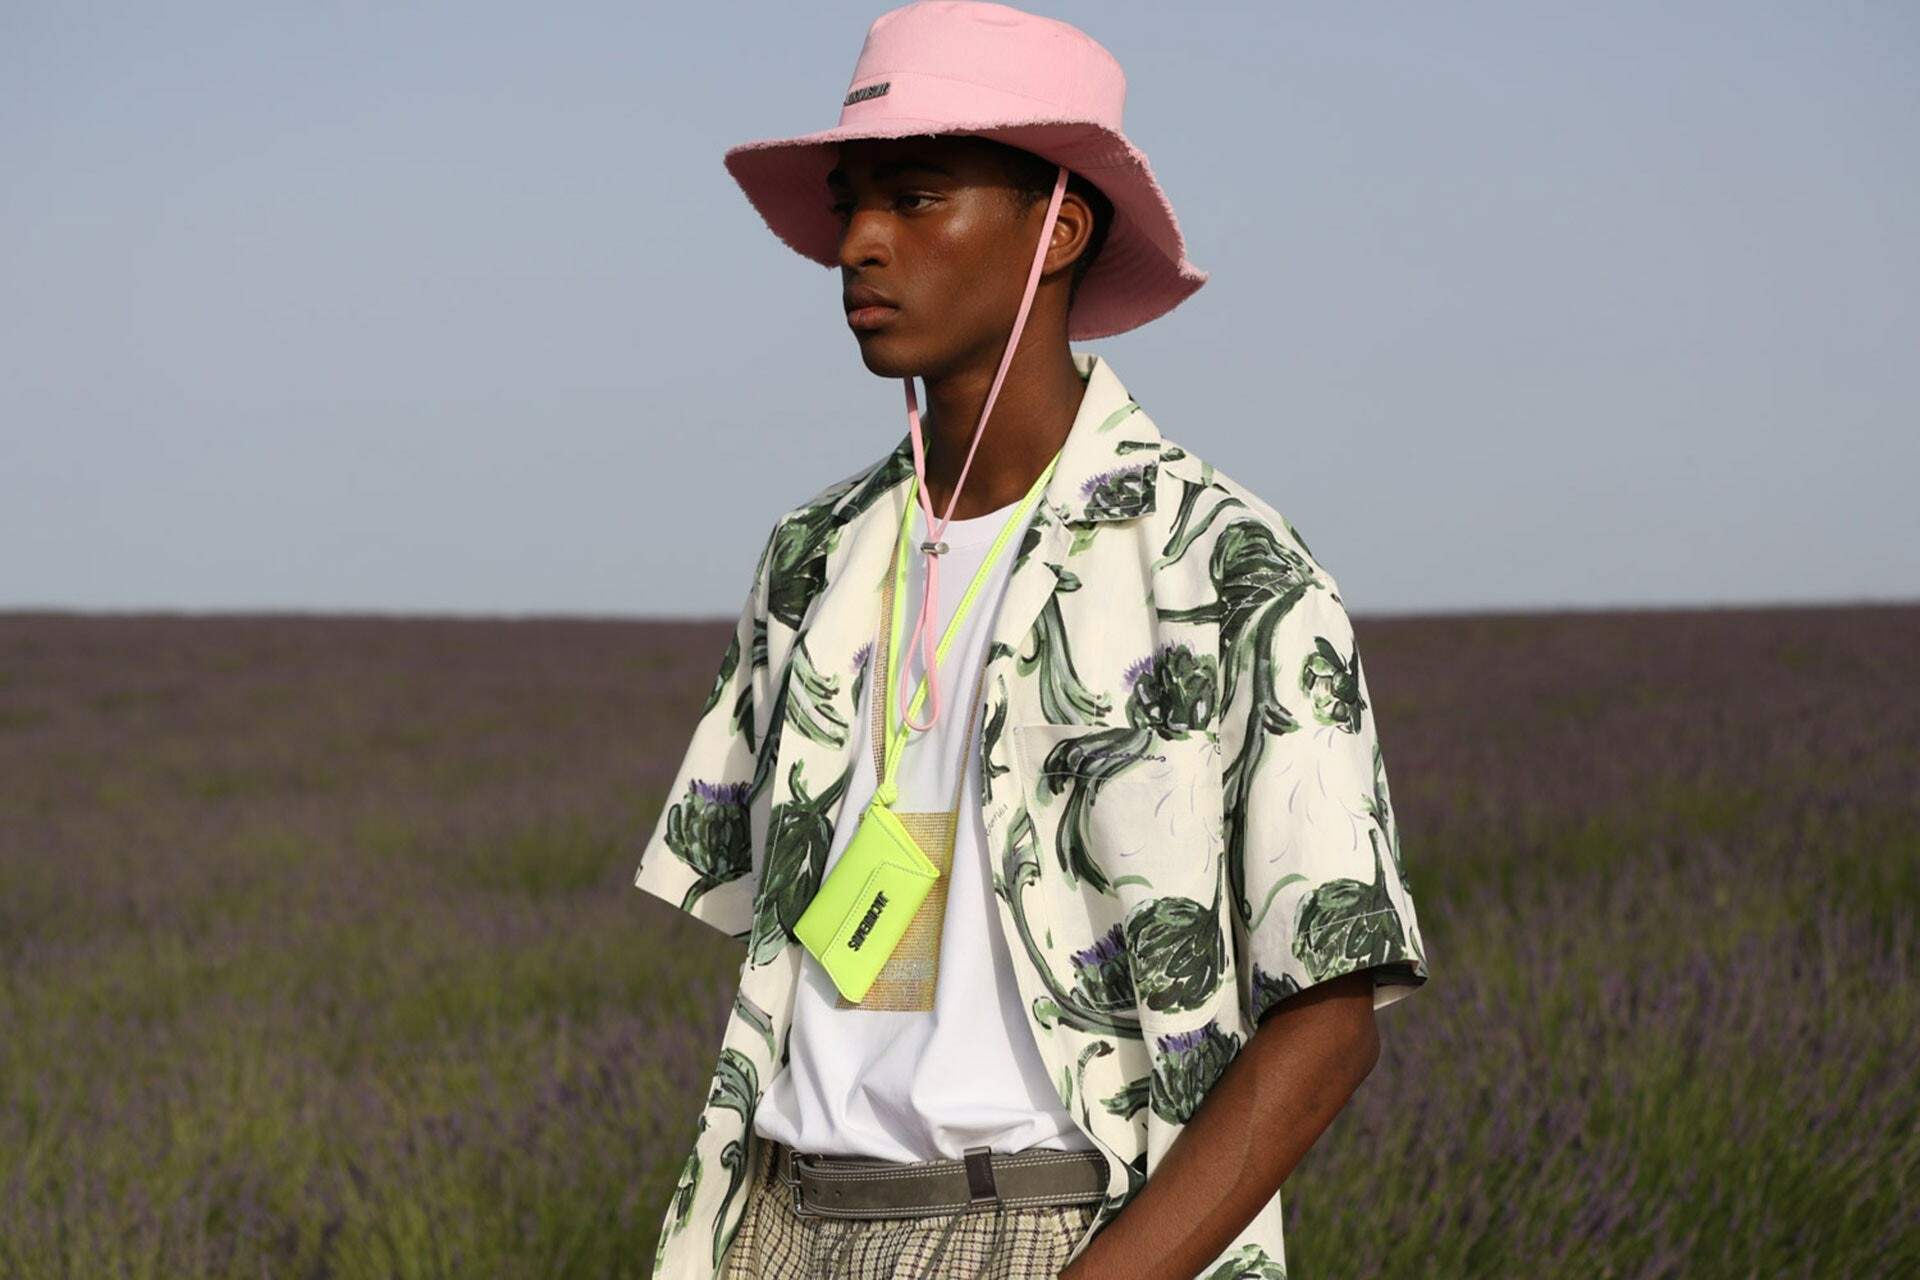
(792, 1175)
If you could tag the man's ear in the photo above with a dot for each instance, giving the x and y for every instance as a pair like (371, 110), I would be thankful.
(1071, 232)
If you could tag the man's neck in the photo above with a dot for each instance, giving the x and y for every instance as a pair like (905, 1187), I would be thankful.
(1031, 418)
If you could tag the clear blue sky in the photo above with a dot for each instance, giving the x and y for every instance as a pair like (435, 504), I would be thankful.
(452, 307)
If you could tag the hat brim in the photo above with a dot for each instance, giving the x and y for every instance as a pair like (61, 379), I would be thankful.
(1142, 271)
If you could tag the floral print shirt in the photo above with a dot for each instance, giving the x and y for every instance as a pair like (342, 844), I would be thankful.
(1185, 803)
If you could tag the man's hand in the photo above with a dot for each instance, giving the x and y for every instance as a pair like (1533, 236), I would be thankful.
(1269, 1106)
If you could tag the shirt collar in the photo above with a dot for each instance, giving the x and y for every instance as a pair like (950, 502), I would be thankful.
(1112, 454)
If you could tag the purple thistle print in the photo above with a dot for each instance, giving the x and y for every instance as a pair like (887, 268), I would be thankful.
(727, 793)
(1270, 989)
(1103, 973)
(1185, 1069)
(1188, 1041)
(1109, 946)
(860, 657)
(1141, 666)
(1123, 491)
(1118, 475)
(707, 829)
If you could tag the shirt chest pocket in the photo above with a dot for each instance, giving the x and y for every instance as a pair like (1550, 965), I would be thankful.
(1129, 829)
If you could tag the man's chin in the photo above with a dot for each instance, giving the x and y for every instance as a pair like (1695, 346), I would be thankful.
(886, 358)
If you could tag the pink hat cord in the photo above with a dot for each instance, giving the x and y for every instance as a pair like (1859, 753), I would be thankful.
(923, 624)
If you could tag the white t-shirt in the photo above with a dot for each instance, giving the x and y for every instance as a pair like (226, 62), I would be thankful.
(938, 1057)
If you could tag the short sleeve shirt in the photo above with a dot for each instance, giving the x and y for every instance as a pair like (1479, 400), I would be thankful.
(1182, 788)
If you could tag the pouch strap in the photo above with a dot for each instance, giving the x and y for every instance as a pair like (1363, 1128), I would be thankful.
(896, 739)
(878, 731)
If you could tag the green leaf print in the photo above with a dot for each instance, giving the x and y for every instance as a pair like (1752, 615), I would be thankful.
(893, 470)
(811, 710)
(796, 564)
(1178, 950)
(1103, 973)
(800, 837)
(1117, 417)
(1078, 768)
(1064, 699)
(1256, 582)
(1030, 540)
(1121, 493)
(1269, 990)
(795, 558)
(1136, 1178)
(1295, 535)
(707, 828)
(1347, 924)
(680, 1206)
(1130, 1100)
(990, 734)
(862, 663)
(1097, 1049)
(1333, 685)
(1186, 529)
(769, 750)
(1381, 808)
(1173, 691)
(1020, 871)
(736, 1085)
(743, 714)
(1250, 1263)
(680, 1203)
(1185, 1067)
(1171, 694)
(733, 1157)
(729, 663)
(743, 703)
(754, 1016)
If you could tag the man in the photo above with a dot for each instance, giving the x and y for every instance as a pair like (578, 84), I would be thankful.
(1169, 893)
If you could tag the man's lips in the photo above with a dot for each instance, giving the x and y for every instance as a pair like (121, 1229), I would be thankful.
(867, 307)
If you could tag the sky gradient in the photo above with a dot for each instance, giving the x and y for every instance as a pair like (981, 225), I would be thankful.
(452, 308)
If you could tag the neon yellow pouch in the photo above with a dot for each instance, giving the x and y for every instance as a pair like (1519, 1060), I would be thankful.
(866, 902)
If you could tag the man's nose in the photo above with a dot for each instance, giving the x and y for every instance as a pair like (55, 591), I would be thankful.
(863, 243)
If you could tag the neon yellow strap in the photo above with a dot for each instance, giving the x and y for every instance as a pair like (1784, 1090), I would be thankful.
(888, 792)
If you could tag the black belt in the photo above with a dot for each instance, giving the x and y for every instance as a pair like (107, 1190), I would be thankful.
(858, 1187)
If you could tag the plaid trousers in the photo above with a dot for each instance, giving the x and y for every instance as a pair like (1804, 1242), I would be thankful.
(774, 1243)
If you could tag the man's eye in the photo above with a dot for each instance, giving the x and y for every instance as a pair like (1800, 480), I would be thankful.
(913, 200)
(841, 209)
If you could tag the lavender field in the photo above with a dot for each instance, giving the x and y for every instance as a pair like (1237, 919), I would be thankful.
(319, 955)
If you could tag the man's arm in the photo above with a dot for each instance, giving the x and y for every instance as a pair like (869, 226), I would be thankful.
(1268, 1107)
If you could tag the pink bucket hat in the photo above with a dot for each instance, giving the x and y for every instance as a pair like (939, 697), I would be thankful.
(966, 67)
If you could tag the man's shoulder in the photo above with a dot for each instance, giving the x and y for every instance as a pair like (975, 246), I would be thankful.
(1197, 502)
(804, 533)
(851, 494)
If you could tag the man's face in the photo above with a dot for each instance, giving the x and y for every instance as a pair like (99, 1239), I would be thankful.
(934, 254)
